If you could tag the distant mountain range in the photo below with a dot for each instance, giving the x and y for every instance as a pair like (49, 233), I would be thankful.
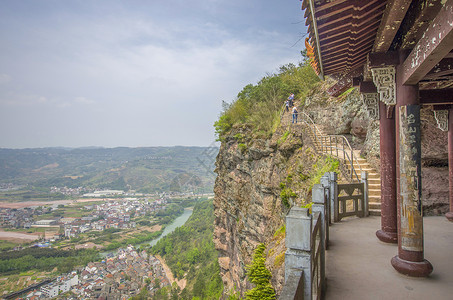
(146, 169)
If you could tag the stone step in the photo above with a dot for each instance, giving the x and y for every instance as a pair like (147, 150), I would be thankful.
(374, 181)
(374, 199)
(374, 192)
(364, 167)
(374, 212)
(374, 205)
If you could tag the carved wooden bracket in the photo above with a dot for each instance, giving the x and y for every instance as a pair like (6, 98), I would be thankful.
(385, 81)
(371, 102)
(441, 117)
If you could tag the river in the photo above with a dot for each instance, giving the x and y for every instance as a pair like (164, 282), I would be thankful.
(178, 222)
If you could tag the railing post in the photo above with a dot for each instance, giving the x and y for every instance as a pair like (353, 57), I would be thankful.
(352, 166)
(364, 180)
(334, 196)
(319, 205)
(320, 138)
(344, 153)
(298, 254)
(325, 181)
(336, 144)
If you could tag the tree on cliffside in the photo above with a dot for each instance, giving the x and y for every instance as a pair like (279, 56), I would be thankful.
(260, 276)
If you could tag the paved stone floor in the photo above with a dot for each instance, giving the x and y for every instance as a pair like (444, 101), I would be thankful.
(358, 264)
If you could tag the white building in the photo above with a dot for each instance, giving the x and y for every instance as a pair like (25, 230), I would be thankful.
(104, 193)
(63, 284)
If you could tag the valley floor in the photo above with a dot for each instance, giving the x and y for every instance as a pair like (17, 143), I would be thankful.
(358, 265)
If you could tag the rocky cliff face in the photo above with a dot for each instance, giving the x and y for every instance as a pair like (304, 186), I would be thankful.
(248, 206)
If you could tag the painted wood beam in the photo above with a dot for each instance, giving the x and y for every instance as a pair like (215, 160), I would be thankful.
(433, 46)
(367, 87)
(344, 82)
(391, 20)
(442, 107)
(418, 18)
(443, 68)
(436, 97)
(356, 81)
(390, 58)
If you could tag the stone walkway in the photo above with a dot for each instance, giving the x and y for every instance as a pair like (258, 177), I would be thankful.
(358, 264)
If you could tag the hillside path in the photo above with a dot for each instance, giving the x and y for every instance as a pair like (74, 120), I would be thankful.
(181, 283)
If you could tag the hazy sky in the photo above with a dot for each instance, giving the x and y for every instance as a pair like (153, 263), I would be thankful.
(133, 73)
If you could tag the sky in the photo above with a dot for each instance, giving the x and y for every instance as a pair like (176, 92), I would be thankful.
(134, 73)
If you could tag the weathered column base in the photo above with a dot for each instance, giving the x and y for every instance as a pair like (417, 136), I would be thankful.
(387, 237)
(411, 268)
(449, 216)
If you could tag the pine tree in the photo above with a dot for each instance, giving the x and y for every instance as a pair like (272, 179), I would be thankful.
(260, 276)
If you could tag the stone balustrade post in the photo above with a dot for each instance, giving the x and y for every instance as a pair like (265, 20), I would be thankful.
(364, 180)
(299, 223)
(333, 177)
(325, 182)
(319, 205)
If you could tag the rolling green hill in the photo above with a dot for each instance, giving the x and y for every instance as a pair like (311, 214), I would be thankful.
(150, 169)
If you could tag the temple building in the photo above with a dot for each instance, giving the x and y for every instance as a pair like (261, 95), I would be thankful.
(398, 53)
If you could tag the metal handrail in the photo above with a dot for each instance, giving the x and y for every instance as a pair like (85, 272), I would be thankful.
(326, 141)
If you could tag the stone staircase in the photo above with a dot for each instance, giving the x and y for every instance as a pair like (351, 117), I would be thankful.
(331, 145)
(374, 184)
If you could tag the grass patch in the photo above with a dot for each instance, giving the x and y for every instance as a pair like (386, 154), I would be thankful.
(283, 138)
(279, 260)
(280, 231)
(323, 165)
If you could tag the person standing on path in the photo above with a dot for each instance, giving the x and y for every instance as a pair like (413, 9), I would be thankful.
(295, 113)
(291, 99)
(287, 105)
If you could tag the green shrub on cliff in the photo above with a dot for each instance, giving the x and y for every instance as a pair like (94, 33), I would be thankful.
(260, 276)
(259, 106)
(323, 165)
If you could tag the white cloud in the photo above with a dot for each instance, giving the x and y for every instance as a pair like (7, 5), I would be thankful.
(4, 78)
(83, 100)
(42, 100)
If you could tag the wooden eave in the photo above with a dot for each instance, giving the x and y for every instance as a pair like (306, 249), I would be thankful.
(344, 29)
(348, 31)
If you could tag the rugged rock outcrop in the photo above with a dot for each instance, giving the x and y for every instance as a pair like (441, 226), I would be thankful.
(248, 207)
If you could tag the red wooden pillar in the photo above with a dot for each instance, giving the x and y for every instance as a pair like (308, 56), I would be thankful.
(410, 259)
(388, 232)
(449, 214)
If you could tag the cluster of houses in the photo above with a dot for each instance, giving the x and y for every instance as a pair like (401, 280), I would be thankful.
(110, 214)
(67, 191)
(18, 218)
(119, 276)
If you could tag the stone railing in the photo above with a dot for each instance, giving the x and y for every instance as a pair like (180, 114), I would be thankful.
(346, 200)
(306, 243)
(307, 235)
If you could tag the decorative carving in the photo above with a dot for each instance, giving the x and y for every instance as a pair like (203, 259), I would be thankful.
(441, 117)
(384, 79)
(371, 101)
